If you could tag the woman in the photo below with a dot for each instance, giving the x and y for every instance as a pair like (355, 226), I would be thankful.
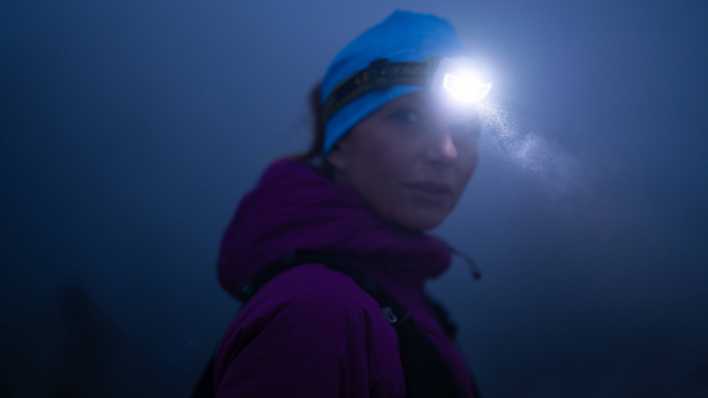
(387, 164)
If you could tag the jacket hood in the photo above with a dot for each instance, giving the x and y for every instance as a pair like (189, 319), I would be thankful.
(293, 206)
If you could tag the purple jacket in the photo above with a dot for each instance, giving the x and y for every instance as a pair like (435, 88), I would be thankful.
(312, 332)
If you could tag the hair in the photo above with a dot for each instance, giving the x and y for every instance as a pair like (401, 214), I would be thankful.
(313, 155)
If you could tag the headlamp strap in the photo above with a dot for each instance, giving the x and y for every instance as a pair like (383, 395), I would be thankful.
(380, 74)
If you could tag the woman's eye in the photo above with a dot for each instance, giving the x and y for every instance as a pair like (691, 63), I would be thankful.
(408, 116)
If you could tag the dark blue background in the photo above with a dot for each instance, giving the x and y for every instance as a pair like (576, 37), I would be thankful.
(131, 130)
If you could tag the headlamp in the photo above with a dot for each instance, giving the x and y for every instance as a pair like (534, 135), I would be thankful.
(453, 79)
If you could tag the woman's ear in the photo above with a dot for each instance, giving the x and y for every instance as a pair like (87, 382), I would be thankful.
(338, 156)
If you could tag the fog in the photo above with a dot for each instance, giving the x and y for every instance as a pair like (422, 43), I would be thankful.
(132, 129)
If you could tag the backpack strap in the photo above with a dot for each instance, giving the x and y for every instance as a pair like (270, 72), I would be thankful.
(391, 309)
(448, 325)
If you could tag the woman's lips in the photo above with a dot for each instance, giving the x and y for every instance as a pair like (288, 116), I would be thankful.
(434, 193)
(431, 188)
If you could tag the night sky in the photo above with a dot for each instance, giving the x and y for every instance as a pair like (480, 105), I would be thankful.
(132, 129)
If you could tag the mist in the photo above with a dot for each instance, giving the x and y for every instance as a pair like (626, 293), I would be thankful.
(132, 129)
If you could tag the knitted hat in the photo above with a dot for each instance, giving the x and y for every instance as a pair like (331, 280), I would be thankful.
(400, 37)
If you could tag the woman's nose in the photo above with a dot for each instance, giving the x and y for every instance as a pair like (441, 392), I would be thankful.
(442, 148)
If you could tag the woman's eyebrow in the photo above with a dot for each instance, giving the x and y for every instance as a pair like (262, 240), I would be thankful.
(410, 102)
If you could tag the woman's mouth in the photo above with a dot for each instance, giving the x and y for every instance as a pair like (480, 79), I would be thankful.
(431, 193)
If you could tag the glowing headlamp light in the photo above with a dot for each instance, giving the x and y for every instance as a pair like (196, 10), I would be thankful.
(454, 79)
(461, 82)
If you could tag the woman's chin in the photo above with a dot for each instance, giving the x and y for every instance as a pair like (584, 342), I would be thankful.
(422, 219)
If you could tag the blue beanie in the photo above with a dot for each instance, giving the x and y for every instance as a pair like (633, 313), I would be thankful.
(402, 36)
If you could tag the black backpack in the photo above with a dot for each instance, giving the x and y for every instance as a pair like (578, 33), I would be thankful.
(426, 374)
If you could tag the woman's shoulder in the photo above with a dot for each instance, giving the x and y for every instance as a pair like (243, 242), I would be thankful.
(311, 299)
(309, 316)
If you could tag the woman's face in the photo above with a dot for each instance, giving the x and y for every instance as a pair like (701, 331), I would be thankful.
(410, 160)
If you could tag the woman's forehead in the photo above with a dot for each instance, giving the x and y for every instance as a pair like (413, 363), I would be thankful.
(418, 98)
(425, 100)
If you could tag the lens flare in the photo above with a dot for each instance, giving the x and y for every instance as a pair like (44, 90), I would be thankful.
(466, 87)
